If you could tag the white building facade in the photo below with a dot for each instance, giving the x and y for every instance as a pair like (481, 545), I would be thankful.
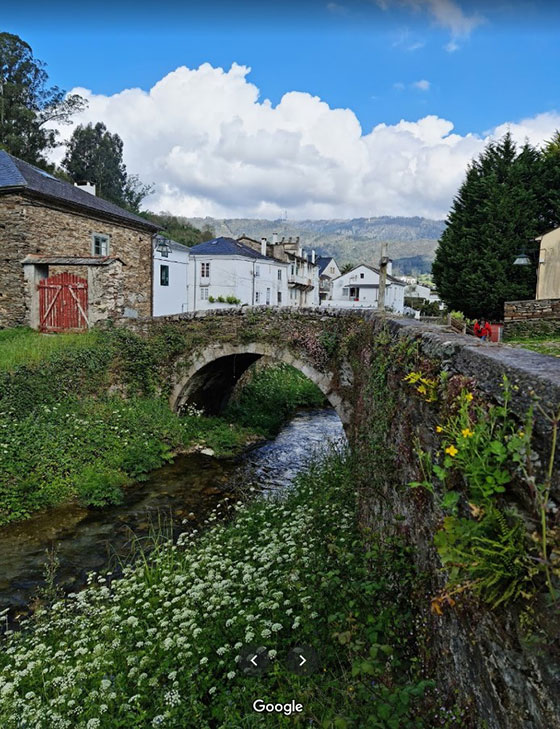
(225, 272)
(359, 288)
(328, 271)
(170, 277)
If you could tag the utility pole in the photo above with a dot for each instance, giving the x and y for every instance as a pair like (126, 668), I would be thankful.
(383, 261)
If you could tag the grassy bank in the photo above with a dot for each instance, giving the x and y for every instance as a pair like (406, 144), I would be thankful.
(270, 396)
(544, 345)
(159, 647)
(64, 436)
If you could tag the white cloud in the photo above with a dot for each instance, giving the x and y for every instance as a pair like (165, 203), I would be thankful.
(213, 147)
(422, 85)
(447, 14)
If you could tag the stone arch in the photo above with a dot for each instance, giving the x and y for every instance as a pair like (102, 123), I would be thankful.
(211, 375)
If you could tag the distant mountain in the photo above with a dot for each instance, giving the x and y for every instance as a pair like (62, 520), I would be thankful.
(411, 241)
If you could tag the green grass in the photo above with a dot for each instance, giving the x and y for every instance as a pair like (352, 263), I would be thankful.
(160, 647)
(271, 396)
(23, 346)
(544, 345)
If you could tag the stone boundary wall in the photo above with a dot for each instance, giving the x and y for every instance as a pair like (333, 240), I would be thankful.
(531, 317)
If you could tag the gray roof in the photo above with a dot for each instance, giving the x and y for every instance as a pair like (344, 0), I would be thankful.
(323, 262)
(227, 247)
(17, 175)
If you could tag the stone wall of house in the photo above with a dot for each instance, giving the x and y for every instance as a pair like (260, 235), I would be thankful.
(32, 226)
(15, 244)
(531, 318)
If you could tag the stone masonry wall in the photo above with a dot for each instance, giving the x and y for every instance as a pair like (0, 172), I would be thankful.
(14, 245)
(30, 226)
(531, 317)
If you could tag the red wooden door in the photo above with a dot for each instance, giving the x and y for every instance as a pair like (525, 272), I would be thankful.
(63, 303)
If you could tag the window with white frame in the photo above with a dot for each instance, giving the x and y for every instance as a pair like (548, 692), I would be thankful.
(279, 297)
(205, 270)
(257, 271)
(99, 244)
(204, 293)
(268, 297)
(164, 275)
(279, 274)
(345, 291)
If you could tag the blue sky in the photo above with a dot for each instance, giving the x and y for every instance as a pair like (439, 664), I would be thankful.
(478, 65)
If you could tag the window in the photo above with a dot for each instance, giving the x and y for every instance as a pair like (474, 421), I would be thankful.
(205, 270)
(345, 291)
(257, 297)
(164, 275)
(361, 275)
(279, 274)
(99, 244)
(279, 297)
(292, 269)
(331, 269)
(164, 253)
(268, 297)
(257, 271)
(204, 292)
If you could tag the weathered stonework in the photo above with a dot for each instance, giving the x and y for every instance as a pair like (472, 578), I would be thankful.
(531, 317)
(30, 225)
(479, 656)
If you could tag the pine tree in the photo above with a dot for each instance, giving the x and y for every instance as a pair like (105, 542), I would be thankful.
(498, 212)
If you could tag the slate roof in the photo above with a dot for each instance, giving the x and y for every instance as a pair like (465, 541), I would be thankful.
(323, 262)
(226, 247)
(17, 175)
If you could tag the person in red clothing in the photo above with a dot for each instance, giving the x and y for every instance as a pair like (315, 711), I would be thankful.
(482, 329)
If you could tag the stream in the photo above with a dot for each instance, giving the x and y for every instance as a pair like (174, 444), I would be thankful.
(182, 494)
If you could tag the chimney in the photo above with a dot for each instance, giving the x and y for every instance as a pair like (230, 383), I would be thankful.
(86, 187)
(275, 239)
(263, 246)
(300, 252)
(313, 256)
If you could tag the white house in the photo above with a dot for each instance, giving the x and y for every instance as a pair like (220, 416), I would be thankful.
(422, 293)
(360, 288)
(170, 277)
(328, 271)
(303, 272)
(226, 268)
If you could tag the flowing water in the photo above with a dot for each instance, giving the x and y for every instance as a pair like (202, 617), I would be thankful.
(183, 493)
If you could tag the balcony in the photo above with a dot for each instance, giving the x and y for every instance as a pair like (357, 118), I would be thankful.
(298, 281)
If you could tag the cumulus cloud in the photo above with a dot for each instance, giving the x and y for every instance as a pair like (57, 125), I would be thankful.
(422, 85)
(213, 147)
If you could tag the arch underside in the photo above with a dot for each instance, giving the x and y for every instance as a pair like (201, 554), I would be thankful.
(210, 380)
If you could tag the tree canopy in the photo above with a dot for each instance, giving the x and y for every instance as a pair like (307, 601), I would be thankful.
(179, 229)
(95, 155)
(28, 104)
(504, 203)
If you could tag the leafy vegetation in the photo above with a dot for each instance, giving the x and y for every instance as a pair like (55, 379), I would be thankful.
(484, 543)
(543, 345)
(224, 300)
(23, 346)
(28, 104)
(270, 396)
(509, 197)
(160, 647)
(179, 229)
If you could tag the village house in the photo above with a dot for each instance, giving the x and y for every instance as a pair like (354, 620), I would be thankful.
(328, 271)
(360, 288)
(548, 271)
(225, 268)
(69, 258)
(418, 293)
(170, 277)
(303, 271)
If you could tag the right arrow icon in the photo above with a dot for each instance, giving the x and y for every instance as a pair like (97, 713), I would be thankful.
(302, 660)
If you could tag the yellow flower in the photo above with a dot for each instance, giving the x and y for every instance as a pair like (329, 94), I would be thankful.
(521, 434)
(439, 429)
(467, 433)
(469, 396)
(421, 389)
(451, 450)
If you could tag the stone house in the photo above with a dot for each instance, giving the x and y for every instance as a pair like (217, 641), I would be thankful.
(548, 271)
(48, 227)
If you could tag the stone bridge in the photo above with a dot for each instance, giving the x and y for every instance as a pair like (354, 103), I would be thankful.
(359, 360)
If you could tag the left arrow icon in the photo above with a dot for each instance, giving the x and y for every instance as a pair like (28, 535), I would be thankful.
(253, 661)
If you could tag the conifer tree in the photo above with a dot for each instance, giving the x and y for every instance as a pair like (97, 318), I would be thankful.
(497, 213)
